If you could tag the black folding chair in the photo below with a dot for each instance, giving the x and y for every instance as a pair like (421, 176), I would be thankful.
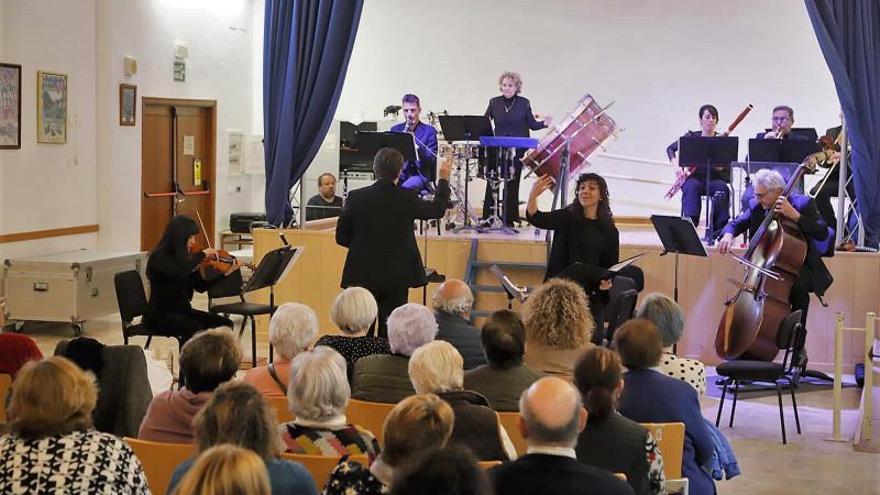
(744, 370)
(270, 270)
(132, 301)
(621, 304)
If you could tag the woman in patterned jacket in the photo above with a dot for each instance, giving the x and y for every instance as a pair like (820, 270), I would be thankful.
(51, 446)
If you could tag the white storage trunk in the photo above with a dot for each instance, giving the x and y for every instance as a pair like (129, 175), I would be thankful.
(73, 286)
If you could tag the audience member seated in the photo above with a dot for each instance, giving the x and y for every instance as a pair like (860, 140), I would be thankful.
(436, 367)
(610, 441)
(238, 414)
(226, 469)
(669, 319)
(210, 358)
(124, 391)
(651, 397)
(292, 329)
(453, 469)
(415, 425)
(452, 305)
(503, 379)
(51, 446)
(385, 378)
(354, 310)
(16, 349)
(552, 418)
(558, 327)
(318, 394)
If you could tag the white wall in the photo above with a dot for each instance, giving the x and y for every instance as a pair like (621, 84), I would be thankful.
(47, 186)
(219, 40)
(658, 60)
(95, 178)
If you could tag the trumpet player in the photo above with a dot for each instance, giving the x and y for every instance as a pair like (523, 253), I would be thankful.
(694, 186)
(780, 125)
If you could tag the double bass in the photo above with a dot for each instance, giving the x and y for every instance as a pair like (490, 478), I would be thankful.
(773, 259)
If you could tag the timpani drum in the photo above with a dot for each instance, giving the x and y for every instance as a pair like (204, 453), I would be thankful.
(587, 129)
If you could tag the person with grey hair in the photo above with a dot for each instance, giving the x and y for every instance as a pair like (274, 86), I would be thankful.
(292, 329)
(385, 378)
(551, 418)
(436, 367)
(452, 306)
(353, 312)
(801, 210)
(669, 319)
(317, 395)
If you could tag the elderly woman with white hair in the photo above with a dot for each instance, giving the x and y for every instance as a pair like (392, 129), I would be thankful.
(438, 368)
(385, 378)
(292, 329)
(317, 396)
(354, 310)
(669, 319)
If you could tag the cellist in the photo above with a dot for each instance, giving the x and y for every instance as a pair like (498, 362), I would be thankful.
(814, 275)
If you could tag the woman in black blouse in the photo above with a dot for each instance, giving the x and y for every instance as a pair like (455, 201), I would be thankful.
(584, 232)
(512, 116)
(174, 274)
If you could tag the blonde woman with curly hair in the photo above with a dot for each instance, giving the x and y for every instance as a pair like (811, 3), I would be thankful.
(226, 470)
(558, 327)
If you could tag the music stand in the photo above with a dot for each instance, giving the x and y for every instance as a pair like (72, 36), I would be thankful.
(273, 268)
(512, 290)
(368, 143)
(709, 152)
(678, 235)
(466, 128)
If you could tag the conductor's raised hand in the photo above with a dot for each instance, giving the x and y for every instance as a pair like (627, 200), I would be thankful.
(542, 184)
(445, 168)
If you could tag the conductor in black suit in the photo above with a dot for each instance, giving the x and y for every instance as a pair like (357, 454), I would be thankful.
(376, 225)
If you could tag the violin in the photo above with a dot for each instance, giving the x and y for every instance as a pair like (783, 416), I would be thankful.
(221, 261)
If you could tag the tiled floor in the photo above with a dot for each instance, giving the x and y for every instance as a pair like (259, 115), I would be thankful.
(808, 464)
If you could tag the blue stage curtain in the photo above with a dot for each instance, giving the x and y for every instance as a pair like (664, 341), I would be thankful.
(306, 49)
(849, 35)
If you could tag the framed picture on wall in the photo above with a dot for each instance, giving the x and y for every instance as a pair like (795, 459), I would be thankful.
(127, 104)
(51, 107)
(10, 106)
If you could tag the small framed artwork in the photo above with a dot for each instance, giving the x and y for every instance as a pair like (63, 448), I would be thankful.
(51, 107)
(10, 106)
(127, 104)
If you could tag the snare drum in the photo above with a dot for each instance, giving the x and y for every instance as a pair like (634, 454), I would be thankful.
(587, 129)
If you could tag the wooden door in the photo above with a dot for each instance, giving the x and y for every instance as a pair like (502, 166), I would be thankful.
(177, 134)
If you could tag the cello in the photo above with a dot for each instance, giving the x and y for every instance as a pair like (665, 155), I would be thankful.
(774, 257)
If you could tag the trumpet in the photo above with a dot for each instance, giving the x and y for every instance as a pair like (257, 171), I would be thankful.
(679, 181)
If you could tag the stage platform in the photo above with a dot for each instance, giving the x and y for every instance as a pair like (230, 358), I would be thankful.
(704, 283)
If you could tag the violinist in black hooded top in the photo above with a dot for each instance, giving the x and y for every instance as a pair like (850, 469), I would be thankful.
(174, 274)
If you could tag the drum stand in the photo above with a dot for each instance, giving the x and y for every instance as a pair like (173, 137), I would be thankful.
(494, 178)
(469, 221)
(462, 212)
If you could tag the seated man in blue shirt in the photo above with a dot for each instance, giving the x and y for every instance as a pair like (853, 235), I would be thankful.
(418, 175)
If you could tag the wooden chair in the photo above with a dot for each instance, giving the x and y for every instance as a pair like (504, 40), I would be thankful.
(320, 466)
(282, 409)
(5, 386)
(487, 465)
(670, 440)
(369, 415)
(510, 421)
(160, 460)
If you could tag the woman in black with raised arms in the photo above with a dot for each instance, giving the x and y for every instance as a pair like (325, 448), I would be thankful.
(584, 231)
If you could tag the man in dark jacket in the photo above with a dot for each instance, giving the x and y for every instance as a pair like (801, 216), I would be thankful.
(376, 225)
(452, 305)
(814, 275)
(552, 417)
